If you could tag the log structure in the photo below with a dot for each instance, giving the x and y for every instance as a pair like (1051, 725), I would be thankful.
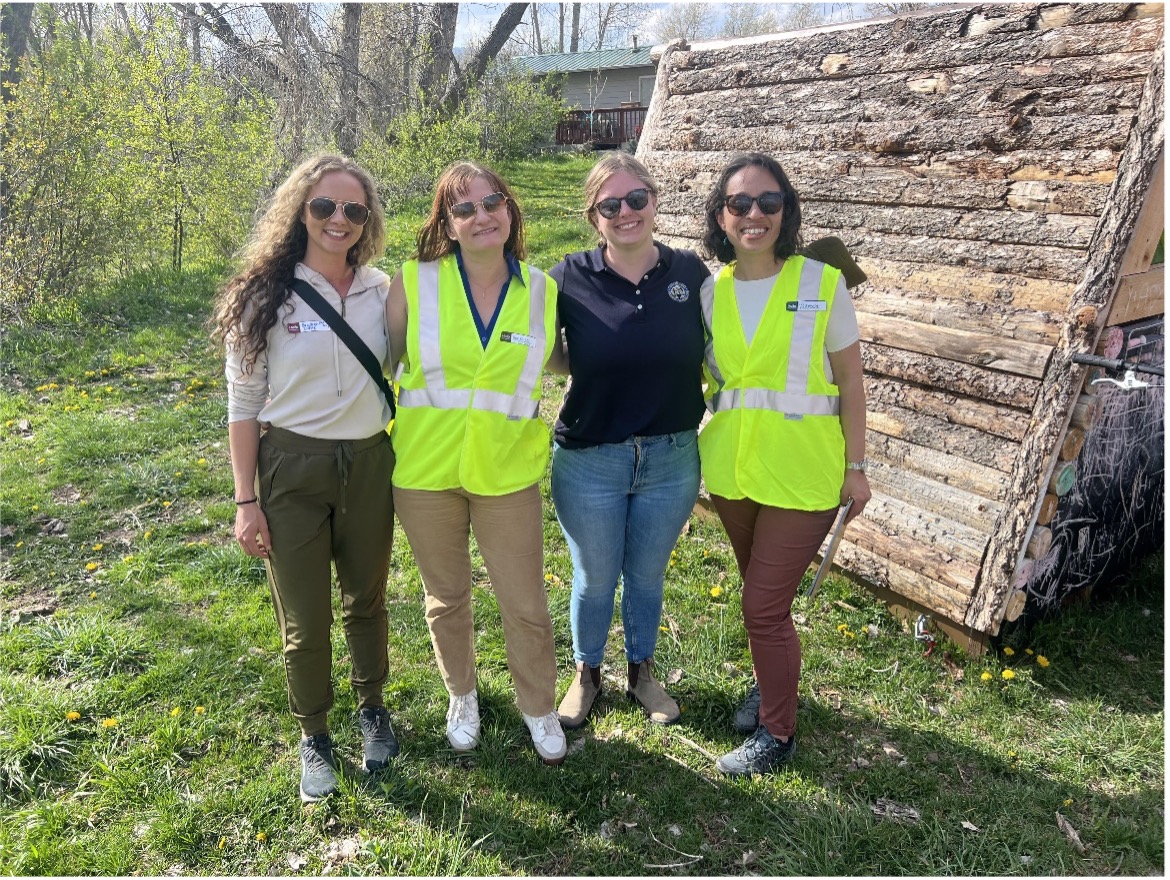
(997, 172)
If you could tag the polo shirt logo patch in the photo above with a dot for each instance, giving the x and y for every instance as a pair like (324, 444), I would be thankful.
(678, 291)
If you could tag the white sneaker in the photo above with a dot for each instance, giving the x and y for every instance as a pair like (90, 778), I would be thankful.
(463, 722)
(547, 736)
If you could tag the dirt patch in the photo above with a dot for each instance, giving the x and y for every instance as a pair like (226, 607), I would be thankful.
(30, 604)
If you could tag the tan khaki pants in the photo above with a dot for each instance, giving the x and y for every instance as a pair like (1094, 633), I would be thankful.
(509, 531)
(328, 500)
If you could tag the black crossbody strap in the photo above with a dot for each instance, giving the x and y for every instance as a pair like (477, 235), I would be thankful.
(347, 334)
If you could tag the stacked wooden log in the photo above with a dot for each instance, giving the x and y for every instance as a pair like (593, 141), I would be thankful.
(983, 165)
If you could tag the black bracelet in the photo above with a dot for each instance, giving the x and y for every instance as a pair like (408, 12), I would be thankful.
(242, 503)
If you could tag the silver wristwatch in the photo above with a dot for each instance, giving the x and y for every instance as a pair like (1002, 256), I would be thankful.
(857, 465)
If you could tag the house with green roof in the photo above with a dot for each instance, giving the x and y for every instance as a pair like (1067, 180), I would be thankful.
(607, 92)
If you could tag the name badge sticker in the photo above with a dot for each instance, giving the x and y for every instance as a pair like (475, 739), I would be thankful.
(807, 305)
(307, 326)
(518, 339)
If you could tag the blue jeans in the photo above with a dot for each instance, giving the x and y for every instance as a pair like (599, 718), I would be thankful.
(621, 507)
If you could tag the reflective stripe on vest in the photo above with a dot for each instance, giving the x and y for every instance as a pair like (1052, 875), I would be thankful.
(519, 405)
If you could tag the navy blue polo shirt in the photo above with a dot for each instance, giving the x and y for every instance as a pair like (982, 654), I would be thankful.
(635, 350)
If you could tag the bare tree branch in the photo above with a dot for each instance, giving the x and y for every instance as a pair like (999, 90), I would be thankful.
(458, 86)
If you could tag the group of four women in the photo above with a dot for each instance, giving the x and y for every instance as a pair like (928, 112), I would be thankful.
(641, 329)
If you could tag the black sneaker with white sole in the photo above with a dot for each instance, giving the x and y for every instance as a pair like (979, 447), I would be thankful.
(379, 744)
(318, 771)
(759, 754)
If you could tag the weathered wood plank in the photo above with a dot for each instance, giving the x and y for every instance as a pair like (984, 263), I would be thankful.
(896, 517)
(945, 600)
(910, 487)
(1102, 274)
(935, 433)
(952, 376)
(1092, 169)
(912, 135)
(906, 45)
(1033, 261)
(934, 562)
(942, 467)
(1001, 421)
(1001, 290)
(959, 313)
(1140, 296)
(979, 349)
(1094, 86)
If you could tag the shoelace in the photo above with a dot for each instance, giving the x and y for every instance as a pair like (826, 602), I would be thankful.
(753, 699)
(378, 722)
(541, 728)
(315, 757)
(461, 710)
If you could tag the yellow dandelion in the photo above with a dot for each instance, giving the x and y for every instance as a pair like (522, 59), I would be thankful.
(1008, 675)
(19, 544)
(1041, 661)
(716, 592)
(91, 566)
(841, 627)
(89, 374)
(850, 634)
(176, 712)
(1068, 802)
(147, 533)
(672, 563)
(110, 722)
(128, 558)
(663, 629)
(1028, 651)
(99, 546)
(548, 576)
(93, 595)
(109, 388)
(222, 842)
(201, 461)
(1008, 652)
(40, 461)
(261, 836)
(72, 716)
(986, 676)
(706, 553)
(199, 710)
(35, 508)
(178, 473)
(166, 504)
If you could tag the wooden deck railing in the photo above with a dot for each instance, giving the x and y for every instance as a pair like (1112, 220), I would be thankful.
(601, 128)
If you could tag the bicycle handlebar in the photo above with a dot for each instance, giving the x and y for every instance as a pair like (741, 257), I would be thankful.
(1092, 360)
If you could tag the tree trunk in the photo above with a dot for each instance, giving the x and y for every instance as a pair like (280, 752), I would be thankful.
(460, 84)
(575, 33)
(536, 29)
(440, 43)
(561, 27)
(346, 127)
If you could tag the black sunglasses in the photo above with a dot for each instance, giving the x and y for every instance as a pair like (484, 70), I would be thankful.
(637, 199)
(741, 203)
(491, 203)
(322, 208)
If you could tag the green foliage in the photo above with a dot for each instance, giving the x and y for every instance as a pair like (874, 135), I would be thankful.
(507, 117)
(122, 155)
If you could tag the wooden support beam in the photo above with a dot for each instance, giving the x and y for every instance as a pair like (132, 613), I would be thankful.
(1150, 224)
(1140, 296)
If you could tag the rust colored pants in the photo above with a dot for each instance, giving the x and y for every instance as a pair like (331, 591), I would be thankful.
(773, 547)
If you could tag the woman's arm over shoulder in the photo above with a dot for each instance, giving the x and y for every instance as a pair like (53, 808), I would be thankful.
(396, 319)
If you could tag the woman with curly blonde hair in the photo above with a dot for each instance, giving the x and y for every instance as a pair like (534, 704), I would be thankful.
(310, 455)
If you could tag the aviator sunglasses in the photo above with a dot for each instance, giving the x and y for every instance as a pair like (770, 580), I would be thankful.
(491, 203)
(741, 203)
(322, 208)
(637, 199)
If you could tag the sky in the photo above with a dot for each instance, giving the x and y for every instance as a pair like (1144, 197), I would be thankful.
(476, 19)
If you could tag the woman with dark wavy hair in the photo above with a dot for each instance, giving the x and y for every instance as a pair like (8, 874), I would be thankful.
(474, 326)
(310, 456)
(785, 445)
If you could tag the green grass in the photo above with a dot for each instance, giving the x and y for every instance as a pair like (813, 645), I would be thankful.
(126, 601)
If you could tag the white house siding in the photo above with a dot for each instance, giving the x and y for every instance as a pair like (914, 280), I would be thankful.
(601, 90)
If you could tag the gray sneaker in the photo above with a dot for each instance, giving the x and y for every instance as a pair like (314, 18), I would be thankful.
(379, 744)
(759, 754)
(318, 772)
(747, 716)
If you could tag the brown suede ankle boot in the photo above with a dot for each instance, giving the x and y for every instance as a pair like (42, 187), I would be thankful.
(655, 701)
(574, 708)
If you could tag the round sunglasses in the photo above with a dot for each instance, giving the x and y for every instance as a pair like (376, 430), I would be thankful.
(637, 199)
(740, 204)
(491, 203)
(322, 208)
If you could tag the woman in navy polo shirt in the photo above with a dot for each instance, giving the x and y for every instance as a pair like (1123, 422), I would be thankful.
(625, 468)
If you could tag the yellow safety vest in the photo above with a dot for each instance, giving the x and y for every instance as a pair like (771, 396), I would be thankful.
(468, 416)
(775, 430)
